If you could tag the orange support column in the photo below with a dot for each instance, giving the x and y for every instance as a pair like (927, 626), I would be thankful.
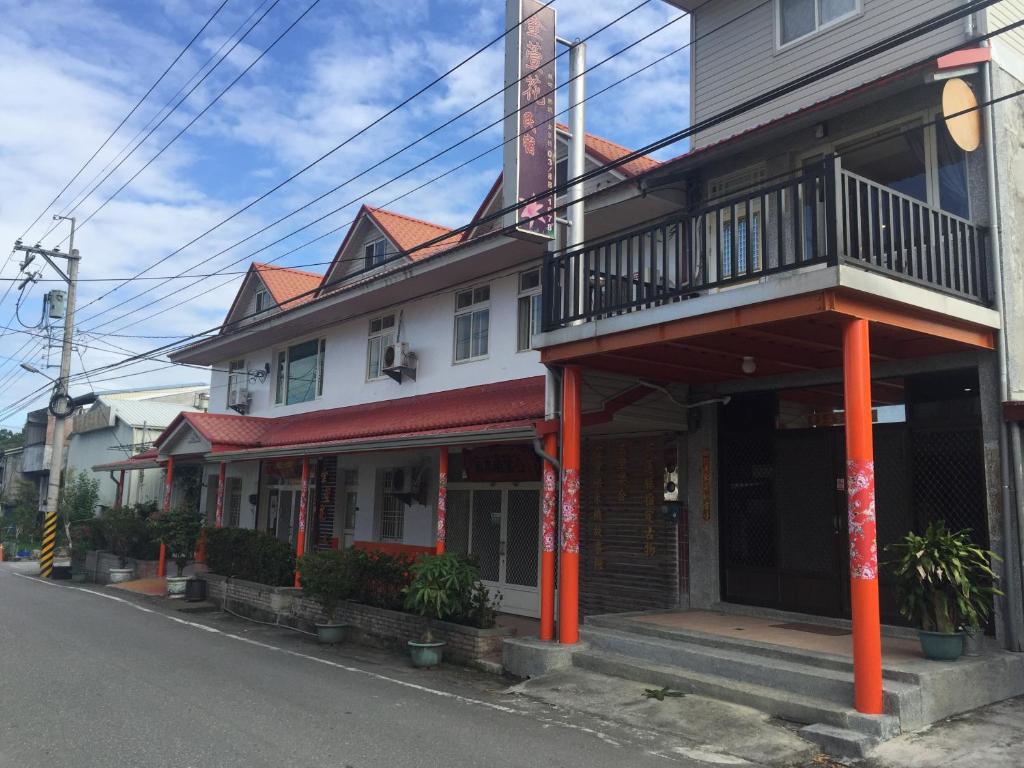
(547, 555)
(218, 520)
(161, 566)
(300, 538)
(442, 499)
(569, 566)
(860, 490)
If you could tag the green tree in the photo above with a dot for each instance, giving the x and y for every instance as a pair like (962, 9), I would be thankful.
(10, 439)
(78, 500)
(25, 518)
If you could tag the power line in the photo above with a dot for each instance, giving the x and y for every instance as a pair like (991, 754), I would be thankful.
(839, 65)
(413, 168)
(83, 194)
(325, 155)
(126, 117)
(194, 119)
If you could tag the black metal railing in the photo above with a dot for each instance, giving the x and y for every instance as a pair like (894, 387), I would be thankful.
(821, 216)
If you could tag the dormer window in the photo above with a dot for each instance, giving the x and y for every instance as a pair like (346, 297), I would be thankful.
(375, 253)
(261, 300)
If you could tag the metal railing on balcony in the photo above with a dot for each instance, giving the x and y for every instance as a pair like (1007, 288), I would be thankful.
(822, 216)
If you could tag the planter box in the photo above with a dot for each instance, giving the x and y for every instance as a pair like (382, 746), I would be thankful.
(98, 564)
(377, 627)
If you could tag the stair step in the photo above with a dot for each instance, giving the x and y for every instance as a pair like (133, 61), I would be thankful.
(748, 647)
(772, 700)
(789, 672)
(839, 742)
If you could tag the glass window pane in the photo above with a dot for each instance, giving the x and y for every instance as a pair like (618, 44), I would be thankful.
(523, 324)
(897, 162)
(463, 300)
(483, 293)
(375, 325)
(302, 367)
(796, 19)
(322, 353)
(463, 332)
(537, 314)
(281, 382)
(373, 358)
(388, 321)
(481, 321)
(528, 280)
(834, 9)
(953, 195)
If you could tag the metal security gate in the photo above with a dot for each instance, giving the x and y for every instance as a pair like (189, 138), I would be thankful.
(500, 529)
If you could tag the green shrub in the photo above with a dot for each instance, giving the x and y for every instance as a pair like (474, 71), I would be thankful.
(124, 532)
(179, 531)
(328, 578)
(380, 579)
(86, 535)
(243, 553)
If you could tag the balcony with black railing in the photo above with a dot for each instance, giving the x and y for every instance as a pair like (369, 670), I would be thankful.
(824, 216)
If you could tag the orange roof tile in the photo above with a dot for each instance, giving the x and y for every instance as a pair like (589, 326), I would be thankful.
(606, 151)
(287, 285)
(407, 232)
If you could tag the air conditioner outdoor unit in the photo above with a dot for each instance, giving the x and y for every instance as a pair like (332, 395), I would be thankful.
(399, 363)
(406, 484)
(239, 401)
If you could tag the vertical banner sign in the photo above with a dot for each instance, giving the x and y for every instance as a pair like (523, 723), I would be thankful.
(529, 167)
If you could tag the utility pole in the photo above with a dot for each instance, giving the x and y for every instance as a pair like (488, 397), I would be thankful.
(61, 405)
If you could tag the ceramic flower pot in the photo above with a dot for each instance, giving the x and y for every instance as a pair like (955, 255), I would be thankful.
(118, 575)
(426, 655)
(176, 586)
(941, 646)
(329, 634)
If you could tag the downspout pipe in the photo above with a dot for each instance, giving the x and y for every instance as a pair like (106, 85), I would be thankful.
(1010, 497)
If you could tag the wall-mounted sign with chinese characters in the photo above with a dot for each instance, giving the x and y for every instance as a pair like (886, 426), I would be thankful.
(529, 167)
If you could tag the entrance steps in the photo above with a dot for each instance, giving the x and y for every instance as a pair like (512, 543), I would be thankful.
(796, 685)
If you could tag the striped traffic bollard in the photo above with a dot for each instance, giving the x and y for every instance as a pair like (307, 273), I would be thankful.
(49, 543)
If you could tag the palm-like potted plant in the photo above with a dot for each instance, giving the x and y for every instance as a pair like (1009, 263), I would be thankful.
(328, 578)
(442, 587)
(178, 529)
(943, 581)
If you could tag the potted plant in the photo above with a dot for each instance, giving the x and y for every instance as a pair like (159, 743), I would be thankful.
(123, 530)
(442, 587)
(942, 580)
(327, 578)
(178, 529)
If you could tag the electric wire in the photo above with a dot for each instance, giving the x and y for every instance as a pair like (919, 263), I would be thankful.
(882, 46)
(125, 119)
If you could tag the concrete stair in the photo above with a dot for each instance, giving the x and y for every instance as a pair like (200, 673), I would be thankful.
(796, 685)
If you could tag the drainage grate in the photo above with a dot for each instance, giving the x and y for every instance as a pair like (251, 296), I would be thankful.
(814, 629)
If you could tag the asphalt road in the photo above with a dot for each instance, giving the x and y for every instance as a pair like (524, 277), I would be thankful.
(90, 677)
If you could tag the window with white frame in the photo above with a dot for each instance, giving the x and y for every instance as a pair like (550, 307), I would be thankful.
(382, 334)
(300, 372)
(375, 253)
(472, 323)
(392, 510)
(799, 18)
(234, 494)
(528, 309)
(261, 300)
(237, 381)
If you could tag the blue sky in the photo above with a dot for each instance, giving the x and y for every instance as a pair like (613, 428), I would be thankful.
(73, 69)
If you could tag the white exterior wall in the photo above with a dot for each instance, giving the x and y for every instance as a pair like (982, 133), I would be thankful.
(428, 324)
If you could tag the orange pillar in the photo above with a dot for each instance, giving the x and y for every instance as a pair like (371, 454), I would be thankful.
(161, 566)
(218, 520)
(442, 498)
(547, 555)
(300, 538)
(860, 490)
(569, 566)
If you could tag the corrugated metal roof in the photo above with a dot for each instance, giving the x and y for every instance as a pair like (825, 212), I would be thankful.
(153, 415)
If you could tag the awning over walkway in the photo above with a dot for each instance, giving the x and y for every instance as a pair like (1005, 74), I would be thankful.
(502, 412)
(146, 460)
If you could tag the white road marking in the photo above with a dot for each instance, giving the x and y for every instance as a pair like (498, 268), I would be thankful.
(355, 670)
